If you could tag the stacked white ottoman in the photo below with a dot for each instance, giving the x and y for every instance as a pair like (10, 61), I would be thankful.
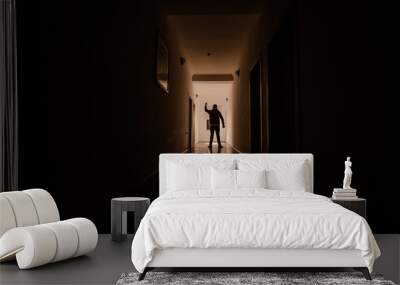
(31, 230)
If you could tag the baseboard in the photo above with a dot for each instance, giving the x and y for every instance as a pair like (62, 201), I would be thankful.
(235, 149)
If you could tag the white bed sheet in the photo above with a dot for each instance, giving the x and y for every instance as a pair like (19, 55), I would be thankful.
(250, 218)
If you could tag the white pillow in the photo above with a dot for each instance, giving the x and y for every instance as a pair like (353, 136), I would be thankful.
(223, 179)
(290, 175)
(251, 178)
(292, 179)
(188, 177)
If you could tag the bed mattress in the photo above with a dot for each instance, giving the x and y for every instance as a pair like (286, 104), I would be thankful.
(251, 219)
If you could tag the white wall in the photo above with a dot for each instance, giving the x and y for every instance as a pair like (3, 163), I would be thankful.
(213, 93)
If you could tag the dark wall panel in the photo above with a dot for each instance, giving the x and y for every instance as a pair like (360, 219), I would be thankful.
(92, 117)
(342, 104)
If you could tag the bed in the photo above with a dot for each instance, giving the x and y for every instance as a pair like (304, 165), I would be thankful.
(244, 211)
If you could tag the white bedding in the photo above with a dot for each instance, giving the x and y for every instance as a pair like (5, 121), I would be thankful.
(250, 218)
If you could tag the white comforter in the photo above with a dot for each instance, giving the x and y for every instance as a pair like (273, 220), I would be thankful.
(250, 218)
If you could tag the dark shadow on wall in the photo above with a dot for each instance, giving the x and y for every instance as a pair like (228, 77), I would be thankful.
(256, 102)
(92, 117)
(283, 102)
(339, 107)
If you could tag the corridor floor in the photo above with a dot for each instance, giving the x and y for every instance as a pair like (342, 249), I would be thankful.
(203, 148)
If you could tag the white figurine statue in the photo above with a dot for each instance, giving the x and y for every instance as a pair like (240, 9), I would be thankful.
(347, 174)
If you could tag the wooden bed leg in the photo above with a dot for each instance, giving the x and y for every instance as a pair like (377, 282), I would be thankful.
(142, 275)
(364, 271)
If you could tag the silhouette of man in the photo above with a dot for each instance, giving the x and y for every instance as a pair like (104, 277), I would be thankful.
(215, 115)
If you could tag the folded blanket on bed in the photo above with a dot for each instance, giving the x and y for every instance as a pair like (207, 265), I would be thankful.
(250, 218)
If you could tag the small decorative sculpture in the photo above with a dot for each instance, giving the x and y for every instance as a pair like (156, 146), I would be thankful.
(347, 174)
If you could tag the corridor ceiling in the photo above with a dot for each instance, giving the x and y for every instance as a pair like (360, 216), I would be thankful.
(213, 43)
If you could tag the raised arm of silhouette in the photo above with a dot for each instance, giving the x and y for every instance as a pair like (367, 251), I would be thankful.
(206, 109)
(222, 119)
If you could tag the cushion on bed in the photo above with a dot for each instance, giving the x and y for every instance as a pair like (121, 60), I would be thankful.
(188, 177)
(223, 179)
(194, 174)
(289, 175)
(251, 178)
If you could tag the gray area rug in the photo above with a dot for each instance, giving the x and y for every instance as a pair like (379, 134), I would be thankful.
(269, 278)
